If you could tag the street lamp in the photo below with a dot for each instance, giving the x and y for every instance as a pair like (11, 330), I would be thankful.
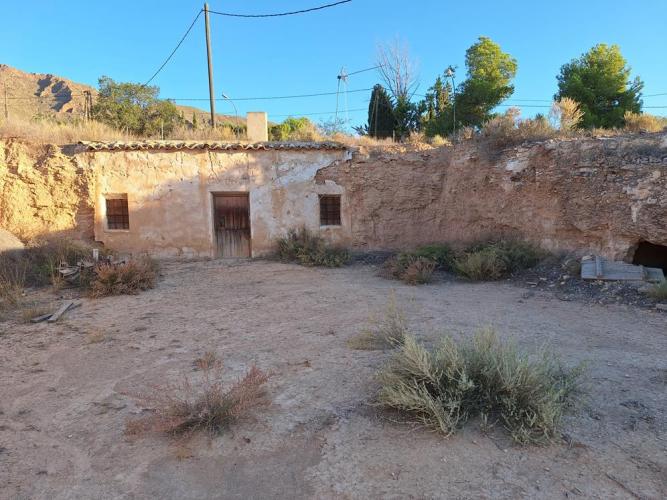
(236, 129)
(451, 71)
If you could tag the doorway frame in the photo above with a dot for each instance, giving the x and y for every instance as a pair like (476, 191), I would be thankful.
(214, 236)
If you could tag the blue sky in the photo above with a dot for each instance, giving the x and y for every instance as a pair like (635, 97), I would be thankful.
(302, 54)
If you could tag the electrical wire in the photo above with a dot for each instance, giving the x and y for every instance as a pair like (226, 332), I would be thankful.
(175, 49)
(303, 11)
(269, 98)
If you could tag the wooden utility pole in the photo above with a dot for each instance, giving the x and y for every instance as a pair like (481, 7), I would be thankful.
(211, 93)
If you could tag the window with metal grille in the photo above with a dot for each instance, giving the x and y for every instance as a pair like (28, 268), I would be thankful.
(118, 216)
(329, 210)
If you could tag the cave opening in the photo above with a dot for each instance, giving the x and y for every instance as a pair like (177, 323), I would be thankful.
(651, 255)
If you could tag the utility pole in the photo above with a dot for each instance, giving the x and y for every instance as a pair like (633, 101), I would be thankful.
(211, 93)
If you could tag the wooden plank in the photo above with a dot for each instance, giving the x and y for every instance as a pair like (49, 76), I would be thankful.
(41, 318)
(61, 310)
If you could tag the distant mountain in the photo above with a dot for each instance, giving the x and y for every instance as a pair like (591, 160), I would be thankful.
(38, 94)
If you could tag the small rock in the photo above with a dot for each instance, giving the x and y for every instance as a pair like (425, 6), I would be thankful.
(661, 307)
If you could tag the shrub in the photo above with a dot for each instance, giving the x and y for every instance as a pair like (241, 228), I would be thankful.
(310, 250)
(418, 271)
(483, 264)
(441, 254)
(210, 407)
(445, 387)
(496, 260)
(659, 292)
(38, 263)
(127, 278)
(409, 268)
(643, 122)
(417, 267)
(387, 333)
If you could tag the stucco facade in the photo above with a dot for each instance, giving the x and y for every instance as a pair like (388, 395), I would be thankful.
(170, 196)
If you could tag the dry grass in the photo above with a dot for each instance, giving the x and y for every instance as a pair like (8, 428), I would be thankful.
(208, 406)
(644, 122)
(53, 132)
(34, 310)
(95, 337)
(387, 333)
(495, 260)
(568, 114)
(409, 268)
(127, 278)
(482, 377)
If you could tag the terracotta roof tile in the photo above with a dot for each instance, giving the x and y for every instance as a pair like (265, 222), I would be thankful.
(207, 145)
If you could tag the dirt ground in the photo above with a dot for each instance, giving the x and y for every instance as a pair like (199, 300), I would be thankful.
(64, 395)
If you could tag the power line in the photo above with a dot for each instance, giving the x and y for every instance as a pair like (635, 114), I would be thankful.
(319, 113)
(175, 49)
(269, 98)
(228, 14)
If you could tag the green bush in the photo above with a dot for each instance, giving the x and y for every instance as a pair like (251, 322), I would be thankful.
(659, 292)
(310, 250)
(496, 260)
(442, 255)
(445, 387)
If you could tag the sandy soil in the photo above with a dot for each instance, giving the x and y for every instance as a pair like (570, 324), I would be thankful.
(63, 402)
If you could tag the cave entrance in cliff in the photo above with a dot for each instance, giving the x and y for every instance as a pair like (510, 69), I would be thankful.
(231, 219)
(651, 255)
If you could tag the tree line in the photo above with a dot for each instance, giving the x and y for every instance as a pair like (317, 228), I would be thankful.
(598, 84)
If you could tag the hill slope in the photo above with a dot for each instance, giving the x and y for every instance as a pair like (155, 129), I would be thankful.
(39, 94)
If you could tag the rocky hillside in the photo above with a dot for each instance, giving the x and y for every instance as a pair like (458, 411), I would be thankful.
(31, 95)
(39, 94)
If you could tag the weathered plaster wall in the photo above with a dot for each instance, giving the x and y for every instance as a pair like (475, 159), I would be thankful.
(602, 195)
(170, 196)
(43, 191)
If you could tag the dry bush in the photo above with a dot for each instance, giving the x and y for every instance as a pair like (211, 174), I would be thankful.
(445, 387)
(67, 132)
(567, 113)
(309, 249)
(644, 122)
(13, 272)
(535, 129)
(495, 260)
(387, 333)
(508, 130)
(127, 278)
(659, 292)
(95, 337)
(222, 132)
(208, 406)
(419, 271)
(438, 141)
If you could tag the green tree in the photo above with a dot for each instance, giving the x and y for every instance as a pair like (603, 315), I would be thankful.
(490, 72)
(135, 108)
(599, 81)
(381, 119)
(438, 117)
(294, 129)
(195, 125)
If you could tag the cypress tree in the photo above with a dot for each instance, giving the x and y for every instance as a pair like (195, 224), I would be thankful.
(381, 119)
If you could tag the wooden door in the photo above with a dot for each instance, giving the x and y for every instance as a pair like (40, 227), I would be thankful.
(232, 224)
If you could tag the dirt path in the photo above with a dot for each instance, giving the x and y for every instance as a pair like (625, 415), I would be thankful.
(63, 405)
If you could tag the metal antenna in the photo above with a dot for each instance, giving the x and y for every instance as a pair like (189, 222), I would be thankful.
(342, 77)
